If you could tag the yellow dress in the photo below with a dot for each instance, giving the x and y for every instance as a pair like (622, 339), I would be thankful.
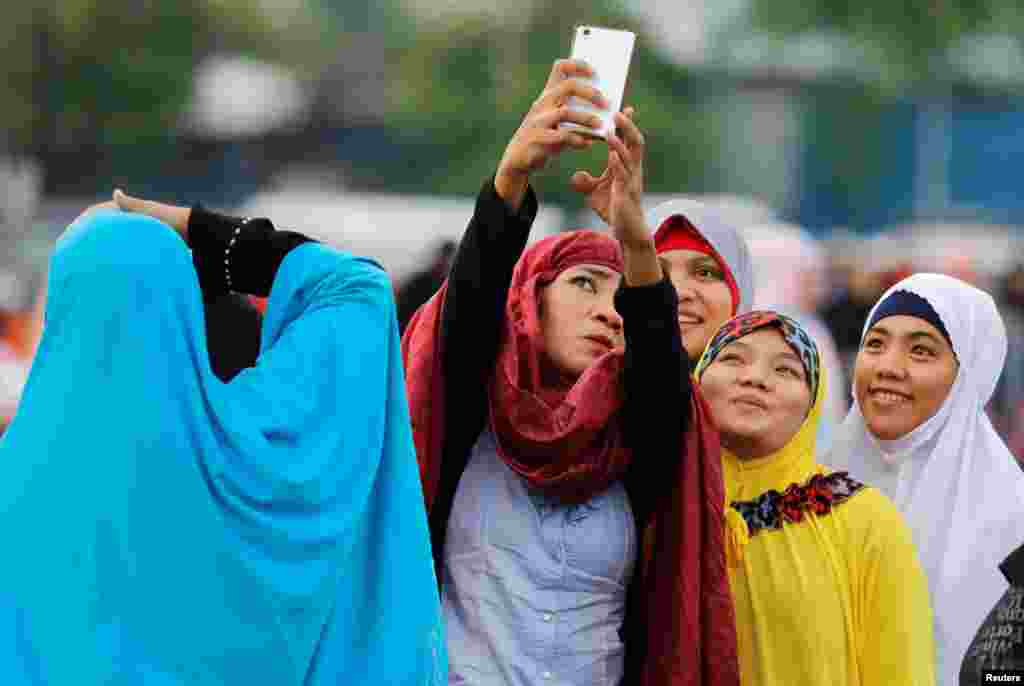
(833, 599)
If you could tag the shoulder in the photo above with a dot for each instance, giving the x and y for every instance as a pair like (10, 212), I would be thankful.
(875, 524)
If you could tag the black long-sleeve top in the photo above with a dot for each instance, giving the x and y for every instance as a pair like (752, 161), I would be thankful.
(232, 322)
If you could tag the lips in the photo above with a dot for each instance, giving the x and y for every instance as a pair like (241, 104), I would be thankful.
(750, 401)
(690, 318)
(604, 341)
(888, 397)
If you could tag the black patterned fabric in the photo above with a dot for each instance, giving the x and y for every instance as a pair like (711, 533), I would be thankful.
(998, 648)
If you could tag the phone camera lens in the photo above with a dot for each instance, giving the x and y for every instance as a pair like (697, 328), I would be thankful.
(586, 32)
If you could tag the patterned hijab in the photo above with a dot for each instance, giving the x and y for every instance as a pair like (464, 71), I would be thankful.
(794, 335)
(802, 446)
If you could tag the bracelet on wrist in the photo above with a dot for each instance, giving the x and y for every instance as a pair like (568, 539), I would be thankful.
(227, 252)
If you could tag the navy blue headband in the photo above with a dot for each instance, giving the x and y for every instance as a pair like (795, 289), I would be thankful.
(910, 305)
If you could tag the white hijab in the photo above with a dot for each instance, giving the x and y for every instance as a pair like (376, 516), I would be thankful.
(952, 477)
(726, 239)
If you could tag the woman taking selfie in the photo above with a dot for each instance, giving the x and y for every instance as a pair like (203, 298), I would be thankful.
(547, 450)
(172, 528)
(931, 354)
(826, 583)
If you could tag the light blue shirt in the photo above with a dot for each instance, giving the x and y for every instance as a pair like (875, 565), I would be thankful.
(534, 591)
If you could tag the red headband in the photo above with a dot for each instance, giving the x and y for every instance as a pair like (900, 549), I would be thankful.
(677, 233)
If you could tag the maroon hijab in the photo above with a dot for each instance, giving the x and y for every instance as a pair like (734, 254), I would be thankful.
(568, 441)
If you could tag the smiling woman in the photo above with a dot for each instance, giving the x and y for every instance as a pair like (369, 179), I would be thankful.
(709, 264)
(932, 351)
(825, 580)
(905, 368)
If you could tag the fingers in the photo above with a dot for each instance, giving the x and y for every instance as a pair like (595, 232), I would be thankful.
(560, 138)
(175, 217)
(127, 203)
(617, 148)
(565, 113)
(584, 182)
(560, 93)
(567, 69)
(616, 167)
(546, 143)
(629, 131)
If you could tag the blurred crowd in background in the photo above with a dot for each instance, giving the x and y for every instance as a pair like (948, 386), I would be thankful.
(857, 143)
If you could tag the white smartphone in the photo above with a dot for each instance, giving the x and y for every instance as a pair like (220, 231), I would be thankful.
(608, 52)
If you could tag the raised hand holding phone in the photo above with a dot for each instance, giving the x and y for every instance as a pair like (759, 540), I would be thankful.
(608, 52)
(541, 135)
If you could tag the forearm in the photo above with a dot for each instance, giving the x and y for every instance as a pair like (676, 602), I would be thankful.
(512, 188)
(657, 387)
(640, 263)
(233, 254)
(474, 306)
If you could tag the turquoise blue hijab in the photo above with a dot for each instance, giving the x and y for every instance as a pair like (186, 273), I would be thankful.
(163, 527)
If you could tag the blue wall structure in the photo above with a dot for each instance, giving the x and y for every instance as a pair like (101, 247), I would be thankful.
(859, 170)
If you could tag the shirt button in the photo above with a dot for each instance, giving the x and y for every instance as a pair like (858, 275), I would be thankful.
(547, 675)
(548, 616)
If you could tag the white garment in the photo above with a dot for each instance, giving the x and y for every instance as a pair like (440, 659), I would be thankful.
(726, 239)
(953, 478)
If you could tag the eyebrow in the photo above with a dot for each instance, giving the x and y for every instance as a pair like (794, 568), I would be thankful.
(913, 336)
(787, 355)
(599, 273)
(703, 260)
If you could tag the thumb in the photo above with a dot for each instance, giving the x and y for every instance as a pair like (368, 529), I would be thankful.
(583, 181)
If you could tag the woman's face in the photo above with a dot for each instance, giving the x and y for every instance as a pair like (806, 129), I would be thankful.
(705, 302)
(904, 370)
(758, 393)
(579, 323)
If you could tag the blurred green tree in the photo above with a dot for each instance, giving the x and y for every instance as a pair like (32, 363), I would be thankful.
(913, 43)
(464, 85)
(114, 72)
(913, 36)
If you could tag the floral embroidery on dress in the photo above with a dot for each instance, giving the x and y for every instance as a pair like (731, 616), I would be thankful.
(818, 495)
